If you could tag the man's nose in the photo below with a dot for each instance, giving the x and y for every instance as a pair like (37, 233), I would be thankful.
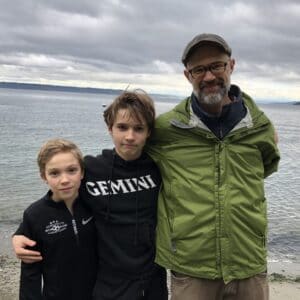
(208, 76)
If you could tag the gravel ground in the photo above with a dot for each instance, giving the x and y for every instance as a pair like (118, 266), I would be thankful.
(10, 273)
(9, 278)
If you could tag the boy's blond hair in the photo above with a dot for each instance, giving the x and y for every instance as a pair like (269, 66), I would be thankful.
(53, 147)
(139, 105)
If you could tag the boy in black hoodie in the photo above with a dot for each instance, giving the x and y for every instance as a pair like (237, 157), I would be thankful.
(63, 229)
(121, 187)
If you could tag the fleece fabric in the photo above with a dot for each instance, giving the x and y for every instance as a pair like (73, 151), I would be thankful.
(123, 198)
(68, 246)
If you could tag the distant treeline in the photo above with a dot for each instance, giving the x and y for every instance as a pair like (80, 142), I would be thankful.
(47, 87)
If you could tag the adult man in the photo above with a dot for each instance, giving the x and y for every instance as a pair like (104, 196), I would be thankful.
(214, 150)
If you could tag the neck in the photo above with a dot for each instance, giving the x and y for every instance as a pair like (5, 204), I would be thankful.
(69, 205)
(68, 202)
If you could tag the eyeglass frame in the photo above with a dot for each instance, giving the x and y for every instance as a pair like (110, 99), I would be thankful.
(209, 68)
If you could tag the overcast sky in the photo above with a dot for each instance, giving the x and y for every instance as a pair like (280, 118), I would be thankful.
(114, 43)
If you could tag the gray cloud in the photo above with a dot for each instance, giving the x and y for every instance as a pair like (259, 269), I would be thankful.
(145, 37)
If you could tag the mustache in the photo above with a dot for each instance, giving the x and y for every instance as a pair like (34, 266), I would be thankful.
(217, 81)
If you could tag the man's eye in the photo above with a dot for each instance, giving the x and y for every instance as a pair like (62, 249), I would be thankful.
(198, 70)
(217, 67)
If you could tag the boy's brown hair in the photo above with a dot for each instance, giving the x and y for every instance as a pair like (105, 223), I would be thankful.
(139, 105)
(53, 147)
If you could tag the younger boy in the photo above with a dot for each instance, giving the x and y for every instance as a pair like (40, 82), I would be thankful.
(63, 229)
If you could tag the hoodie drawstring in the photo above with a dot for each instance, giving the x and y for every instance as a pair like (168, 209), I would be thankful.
(111, 173)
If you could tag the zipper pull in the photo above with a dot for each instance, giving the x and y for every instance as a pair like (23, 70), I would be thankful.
(75, 230)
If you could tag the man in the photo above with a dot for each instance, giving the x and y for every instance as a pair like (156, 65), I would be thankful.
(214, 150)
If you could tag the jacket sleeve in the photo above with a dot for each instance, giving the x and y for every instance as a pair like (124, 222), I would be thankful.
(270, 153)
(31, 274)
(20, 230)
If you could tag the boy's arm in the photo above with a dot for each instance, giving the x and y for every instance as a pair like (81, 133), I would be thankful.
(31, 274)
(31, 282)
(19, 244)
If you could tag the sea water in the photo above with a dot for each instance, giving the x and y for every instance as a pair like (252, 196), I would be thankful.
(28, 118)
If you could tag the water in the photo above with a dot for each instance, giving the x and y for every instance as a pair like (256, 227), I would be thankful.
(28, 118)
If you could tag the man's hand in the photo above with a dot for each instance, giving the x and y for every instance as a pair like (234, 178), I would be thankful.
(19, 243)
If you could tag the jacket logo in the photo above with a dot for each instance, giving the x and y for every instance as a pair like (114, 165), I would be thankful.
(120, 186)
(55, 227)
(84, 222)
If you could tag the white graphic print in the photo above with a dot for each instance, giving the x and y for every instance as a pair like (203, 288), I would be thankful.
(84, 222)
(55, 227)
(120, 186)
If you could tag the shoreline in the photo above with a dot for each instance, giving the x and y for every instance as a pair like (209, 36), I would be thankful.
(281, 286)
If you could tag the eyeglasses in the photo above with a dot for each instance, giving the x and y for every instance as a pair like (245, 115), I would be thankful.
(216, 69)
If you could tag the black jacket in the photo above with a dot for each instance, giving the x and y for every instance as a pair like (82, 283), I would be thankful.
(123, 198)
(68, 246)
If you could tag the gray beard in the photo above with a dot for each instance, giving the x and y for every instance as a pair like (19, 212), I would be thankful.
(214, 98)
(211, 99)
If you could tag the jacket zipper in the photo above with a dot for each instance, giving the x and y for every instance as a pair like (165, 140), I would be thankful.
(74, 225)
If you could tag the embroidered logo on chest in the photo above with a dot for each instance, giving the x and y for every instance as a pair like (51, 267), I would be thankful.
(55, 227)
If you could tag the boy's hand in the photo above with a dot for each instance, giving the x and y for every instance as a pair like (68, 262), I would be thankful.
(19, 243)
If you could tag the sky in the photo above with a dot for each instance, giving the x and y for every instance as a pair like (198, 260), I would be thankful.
(116, 43)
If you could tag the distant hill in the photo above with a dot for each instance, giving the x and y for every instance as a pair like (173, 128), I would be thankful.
(47, 87)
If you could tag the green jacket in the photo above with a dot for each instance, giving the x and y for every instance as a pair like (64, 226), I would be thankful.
(212, 218)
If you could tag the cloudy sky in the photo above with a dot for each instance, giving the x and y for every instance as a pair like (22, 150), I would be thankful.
(116, 43)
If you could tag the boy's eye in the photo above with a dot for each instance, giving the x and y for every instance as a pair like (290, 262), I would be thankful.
(53, 173)
(122, 127)
(73, 170)
(139, 128)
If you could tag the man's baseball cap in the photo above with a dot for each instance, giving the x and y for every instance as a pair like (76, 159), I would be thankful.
(204, 38)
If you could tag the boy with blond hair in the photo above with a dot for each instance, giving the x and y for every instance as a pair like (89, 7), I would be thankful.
(62, 228)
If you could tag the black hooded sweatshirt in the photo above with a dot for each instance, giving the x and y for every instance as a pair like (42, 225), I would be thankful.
(123, 198)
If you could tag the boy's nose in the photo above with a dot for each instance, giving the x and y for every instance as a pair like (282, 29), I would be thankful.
(130, 135)
(64, 178)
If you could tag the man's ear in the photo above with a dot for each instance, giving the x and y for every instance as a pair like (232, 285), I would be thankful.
(187, 74)
(232, 64)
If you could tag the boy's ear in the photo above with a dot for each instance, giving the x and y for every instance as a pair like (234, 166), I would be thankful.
(149, 133)
(44, 178)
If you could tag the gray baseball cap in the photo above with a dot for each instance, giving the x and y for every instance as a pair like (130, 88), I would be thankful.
(204, 38)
